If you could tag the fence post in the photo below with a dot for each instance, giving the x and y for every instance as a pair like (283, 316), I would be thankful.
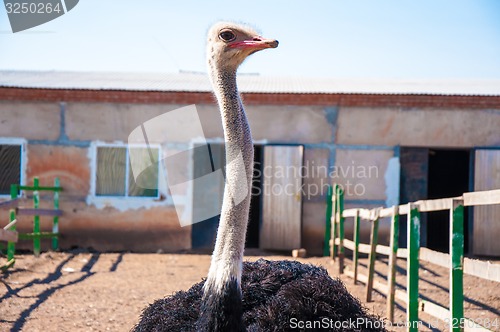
(393, 255)
(456, 264)
(36, 219)
(328, 222)
(13, 191)
(340, 212)
(372, 257)
(55, 224)
(11, 246)
(333, 246)
(356, 246)
(413, 238)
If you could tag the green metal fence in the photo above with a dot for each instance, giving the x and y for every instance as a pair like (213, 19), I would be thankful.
(11, 234)
(455, 261)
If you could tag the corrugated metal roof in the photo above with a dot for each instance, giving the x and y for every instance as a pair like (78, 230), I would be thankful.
(198, 82)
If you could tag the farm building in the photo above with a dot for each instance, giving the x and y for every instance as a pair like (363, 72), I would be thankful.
(385, 142)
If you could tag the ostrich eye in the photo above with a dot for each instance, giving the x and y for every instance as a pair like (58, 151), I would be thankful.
(227, 35)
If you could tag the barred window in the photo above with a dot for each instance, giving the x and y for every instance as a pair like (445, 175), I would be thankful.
(10, 166)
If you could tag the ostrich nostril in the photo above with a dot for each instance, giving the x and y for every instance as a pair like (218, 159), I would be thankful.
(274, 43)
(257, 39)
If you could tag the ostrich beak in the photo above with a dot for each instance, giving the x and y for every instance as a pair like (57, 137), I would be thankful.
(255, 44)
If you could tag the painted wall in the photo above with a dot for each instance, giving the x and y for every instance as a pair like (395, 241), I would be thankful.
(357, 146)
(430, 127)
(59, 142)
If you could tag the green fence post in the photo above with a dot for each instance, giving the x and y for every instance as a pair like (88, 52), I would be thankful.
(356, 246)
(457, 264)
(340, 211)
(335, 198)
(393, 255)
(55, 224)
(328, 222)
(413, 237)
(11, 246)
(14, 191)
(36, 219)
(371, 258)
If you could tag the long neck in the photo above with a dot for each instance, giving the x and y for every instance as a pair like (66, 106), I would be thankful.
(222, 305)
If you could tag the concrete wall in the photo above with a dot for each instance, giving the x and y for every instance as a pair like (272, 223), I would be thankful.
(431, 127)
(38, 121)
(109, 122)
(315, 182)
(339, 139)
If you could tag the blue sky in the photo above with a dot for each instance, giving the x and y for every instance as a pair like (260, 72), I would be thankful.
(424, 39)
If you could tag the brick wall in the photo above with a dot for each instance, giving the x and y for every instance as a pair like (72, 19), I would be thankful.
(372, 100)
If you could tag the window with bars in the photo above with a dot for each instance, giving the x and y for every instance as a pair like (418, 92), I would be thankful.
(10, 166)
(117, 177)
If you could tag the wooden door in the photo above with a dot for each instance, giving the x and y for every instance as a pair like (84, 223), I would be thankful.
(282, 197)
(486, 224)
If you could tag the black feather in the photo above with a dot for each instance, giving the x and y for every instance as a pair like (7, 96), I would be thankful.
(274, 293)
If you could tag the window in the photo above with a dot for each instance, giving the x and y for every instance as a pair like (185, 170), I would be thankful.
(123, 171)
(10, 166)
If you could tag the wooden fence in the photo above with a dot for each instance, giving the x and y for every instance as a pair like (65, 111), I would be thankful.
(9, 233)
(456, 263)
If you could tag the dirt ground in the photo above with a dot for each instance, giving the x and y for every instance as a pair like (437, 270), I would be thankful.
(86, 291)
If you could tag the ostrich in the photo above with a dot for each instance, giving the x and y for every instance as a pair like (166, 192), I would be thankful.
(250, 296)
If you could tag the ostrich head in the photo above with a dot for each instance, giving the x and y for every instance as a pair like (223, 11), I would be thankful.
(229, 44)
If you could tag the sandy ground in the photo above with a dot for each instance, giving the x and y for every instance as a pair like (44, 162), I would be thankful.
(84, 291)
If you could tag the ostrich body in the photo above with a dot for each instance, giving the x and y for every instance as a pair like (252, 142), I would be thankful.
(251, 296)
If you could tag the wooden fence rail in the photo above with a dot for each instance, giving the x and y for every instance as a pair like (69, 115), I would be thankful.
(455, 261)
(8, 235)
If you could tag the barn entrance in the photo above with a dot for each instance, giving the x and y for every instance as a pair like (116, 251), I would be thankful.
(449, 172)
(203, 233)
(275, 206)
(430, 173)
(255, 216)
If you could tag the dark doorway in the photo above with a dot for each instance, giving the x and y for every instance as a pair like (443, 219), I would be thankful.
(207, 158)
(448, 177)
(413, 186)
(428, 173)
(254, 221)
(203, 234)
